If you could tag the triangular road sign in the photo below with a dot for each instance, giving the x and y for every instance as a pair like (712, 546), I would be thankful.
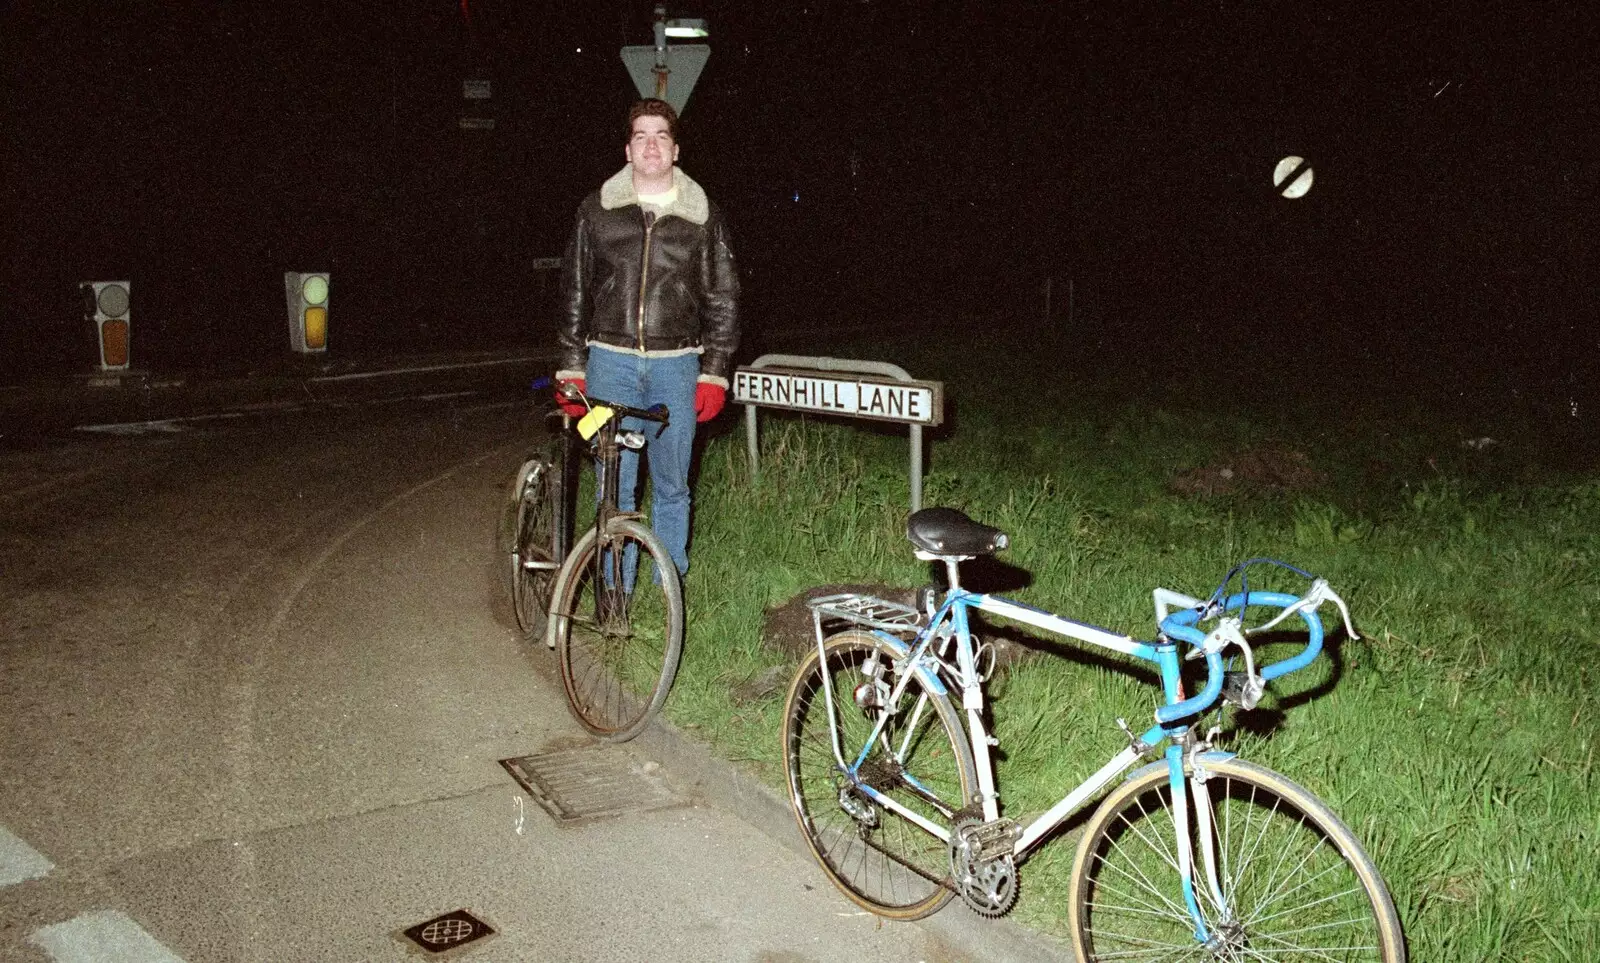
(684, 63)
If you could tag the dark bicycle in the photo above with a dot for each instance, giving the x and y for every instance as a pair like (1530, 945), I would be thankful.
(611, 603)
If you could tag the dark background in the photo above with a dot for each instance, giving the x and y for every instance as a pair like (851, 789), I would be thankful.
(882, 161)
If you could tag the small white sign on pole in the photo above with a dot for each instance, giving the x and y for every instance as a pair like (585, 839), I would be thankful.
(1296, 185)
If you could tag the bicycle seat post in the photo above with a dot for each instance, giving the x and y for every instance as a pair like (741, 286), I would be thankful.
(952, 570)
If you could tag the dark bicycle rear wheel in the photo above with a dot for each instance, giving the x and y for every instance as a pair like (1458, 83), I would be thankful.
(618, 649)
(539, 541)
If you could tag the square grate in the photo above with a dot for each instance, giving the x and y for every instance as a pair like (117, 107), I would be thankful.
(590, 782)
(451, 931)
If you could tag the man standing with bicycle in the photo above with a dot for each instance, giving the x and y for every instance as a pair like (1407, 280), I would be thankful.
(649, 310)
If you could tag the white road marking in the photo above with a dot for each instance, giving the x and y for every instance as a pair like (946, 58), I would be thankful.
(168, 426)
(421, 369)
(104, 936)
(20, 862)
(136, 428)
(173, 426)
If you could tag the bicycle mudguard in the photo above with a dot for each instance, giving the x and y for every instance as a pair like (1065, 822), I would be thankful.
(528, 468)
(930, 680)
(1160, 765)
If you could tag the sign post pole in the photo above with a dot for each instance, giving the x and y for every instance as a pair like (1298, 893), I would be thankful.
(813, 384)
(668, 71)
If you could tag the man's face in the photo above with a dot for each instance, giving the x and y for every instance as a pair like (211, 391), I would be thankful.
(651, 149)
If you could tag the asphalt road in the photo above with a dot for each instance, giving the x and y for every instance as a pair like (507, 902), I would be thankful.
(258, 675)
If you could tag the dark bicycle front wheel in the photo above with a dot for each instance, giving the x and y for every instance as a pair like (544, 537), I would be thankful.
(618, 644)
(1294, 882)
(537, 546)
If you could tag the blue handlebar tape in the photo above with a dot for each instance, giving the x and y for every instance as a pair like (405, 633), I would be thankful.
(1180, 625)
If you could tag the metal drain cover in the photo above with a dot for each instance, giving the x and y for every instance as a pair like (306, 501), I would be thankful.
(448, 932)
(576, 785)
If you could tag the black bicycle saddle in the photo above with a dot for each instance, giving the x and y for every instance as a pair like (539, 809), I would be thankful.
(946, 531)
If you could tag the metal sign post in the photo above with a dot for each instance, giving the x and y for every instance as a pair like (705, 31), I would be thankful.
(801, 383)
(668, 72)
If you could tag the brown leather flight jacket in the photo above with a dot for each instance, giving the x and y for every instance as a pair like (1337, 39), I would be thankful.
(647, 283)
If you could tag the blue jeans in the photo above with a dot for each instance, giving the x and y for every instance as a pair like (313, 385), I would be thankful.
(639, 383)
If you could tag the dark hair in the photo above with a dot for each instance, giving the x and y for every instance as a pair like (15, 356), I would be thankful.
(652, 107)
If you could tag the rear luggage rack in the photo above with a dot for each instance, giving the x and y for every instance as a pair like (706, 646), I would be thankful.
(867, 612)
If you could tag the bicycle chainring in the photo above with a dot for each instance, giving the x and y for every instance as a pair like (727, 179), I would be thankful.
(982, 866)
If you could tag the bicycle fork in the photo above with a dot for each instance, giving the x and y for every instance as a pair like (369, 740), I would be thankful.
(1205, 825)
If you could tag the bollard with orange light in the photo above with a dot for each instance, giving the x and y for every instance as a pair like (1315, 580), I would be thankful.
(111, 304)
(307, 294)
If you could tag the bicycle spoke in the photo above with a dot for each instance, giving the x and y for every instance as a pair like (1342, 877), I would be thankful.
(618, 651)
(1291, 890)
(878, 857)
(536, 547)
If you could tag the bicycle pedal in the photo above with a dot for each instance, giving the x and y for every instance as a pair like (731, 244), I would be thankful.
(992, 840)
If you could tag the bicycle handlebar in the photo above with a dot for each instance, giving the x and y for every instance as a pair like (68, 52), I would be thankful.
(1180, 625)
(656, 413)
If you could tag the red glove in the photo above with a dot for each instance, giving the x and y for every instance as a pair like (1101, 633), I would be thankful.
(575, 409)
(708, 400)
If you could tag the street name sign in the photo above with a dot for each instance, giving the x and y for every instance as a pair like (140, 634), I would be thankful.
(906, 402)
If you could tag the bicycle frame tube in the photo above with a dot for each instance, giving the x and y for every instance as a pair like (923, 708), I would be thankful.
(1164, 656)
(607, 462)
(953, 617)
(611, 570)
(1208, 846)
(850, 769)
(1185, 845)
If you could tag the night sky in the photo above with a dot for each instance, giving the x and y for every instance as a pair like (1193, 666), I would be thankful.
(880, 160)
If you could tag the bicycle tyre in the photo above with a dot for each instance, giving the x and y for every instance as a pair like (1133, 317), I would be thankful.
(879, 859)
(1289, 868)
(618, 666)
(537, 544)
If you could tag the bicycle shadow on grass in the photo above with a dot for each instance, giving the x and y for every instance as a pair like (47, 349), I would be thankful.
(1263, 721)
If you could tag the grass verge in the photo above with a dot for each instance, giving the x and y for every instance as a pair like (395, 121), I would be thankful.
(1456, 737)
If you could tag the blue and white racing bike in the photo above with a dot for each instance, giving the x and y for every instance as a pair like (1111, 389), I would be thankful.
(1192, 854)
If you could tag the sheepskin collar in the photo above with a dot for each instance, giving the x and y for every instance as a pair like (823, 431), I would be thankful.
(691, 203)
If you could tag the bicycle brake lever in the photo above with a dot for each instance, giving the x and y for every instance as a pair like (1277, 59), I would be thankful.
(1228, 632)
(1344, 611)
(659, 410)
(1311, 601)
